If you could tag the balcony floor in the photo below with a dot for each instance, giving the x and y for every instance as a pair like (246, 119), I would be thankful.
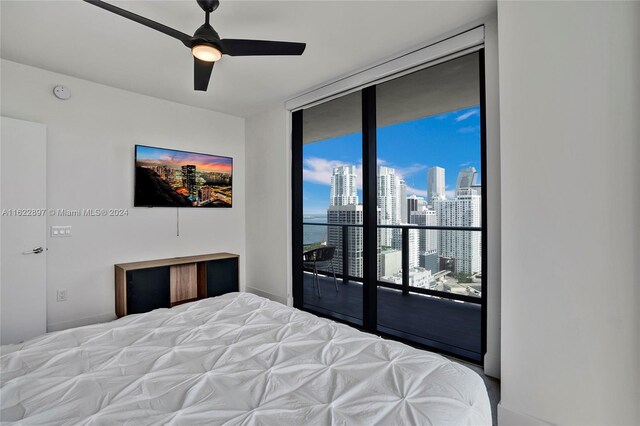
(443, 324)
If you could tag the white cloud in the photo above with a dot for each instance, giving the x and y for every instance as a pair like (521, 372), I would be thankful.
(467, 114)
(319, 170)
(404, 172)
(415, 191)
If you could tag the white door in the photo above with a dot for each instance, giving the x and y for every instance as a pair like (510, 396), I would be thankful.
(23, 230)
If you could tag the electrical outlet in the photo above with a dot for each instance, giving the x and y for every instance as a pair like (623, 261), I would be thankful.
(61, 296)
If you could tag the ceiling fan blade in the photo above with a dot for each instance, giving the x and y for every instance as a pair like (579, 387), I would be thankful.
(201, 74)
(238, 47)
(185, 38)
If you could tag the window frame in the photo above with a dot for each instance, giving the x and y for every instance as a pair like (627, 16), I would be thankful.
(370, 225)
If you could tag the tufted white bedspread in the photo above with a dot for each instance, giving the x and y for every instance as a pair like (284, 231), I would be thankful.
(237, 359)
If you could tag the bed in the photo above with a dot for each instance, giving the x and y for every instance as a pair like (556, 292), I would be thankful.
(236, 359)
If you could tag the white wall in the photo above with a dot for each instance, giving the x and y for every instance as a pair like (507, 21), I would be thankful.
(268, 156)
(90, 160)
(570, 132)
(268, 145)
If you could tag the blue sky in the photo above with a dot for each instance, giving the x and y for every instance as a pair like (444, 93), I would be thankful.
(450, 140)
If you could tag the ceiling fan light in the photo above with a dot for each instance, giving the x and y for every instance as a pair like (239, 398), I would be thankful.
(206, 52)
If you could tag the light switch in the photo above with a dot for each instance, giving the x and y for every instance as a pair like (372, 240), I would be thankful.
(61, 231)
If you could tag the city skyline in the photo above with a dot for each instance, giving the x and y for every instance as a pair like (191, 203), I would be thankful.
(449, 140)
(182, 179)
(436, 151)
(149, 156)
(431, 255)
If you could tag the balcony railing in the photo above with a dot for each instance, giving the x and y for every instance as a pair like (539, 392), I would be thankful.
(346, 275)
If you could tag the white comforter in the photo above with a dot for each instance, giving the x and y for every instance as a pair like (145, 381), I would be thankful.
(233, 359)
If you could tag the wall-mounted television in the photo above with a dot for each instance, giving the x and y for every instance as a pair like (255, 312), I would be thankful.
(173, 178)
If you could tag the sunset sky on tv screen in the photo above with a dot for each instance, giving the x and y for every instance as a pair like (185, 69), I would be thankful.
(150, 156)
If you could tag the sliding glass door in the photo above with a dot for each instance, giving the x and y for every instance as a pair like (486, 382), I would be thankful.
(390, 179)
(332, 207)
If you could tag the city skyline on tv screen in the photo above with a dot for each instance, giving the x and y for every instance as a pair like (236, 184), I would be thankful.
(174, 178)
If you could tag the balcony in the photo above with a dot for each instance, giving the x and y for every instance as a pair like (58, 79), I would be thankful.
(442, 310)
(447, 325)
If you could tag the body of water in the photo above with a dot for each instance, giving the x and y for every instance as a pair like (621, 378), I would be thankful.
(314, 234)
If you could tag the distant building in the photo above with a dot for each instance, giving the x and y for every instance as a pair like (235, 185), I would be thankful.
(418, 277)
(447, 264)
(463, 246)
(414, 204)
(430, 261)
(390, 262)
(343, 186)
(414, 242)
(344, 209)
(466, 178)
(388, 194)
(435, 184)
(427, 239)
(350, 214)
(404, 215)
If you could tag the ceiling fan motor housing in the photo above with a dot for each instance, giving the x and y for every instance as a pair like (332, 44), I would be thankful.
(209, 5)
(207, 34)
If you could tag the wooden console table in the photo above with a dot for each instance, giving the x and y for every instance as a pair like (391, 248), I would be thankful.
(162, 283)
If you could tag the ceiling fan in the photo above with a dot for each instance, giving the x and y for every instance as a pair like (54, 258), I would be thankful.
(206, 45)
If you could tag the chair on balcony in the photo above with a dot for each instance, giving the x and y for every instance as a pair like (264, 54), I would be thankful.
(320, 257)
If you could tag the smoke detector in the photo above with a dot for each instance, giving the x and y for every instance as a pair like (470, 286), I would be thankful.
(62, 92)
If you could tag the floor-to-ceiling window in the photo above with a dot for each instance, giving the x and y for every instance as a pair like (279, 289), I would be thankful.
(391, 178)
(332, 206)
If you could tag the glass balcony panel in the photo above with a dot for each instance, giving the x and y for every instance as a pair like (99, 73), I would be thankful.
(331, 288)
(332, 195)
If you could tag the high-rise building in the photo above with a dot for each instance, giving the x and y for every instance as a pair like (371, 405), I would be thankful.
(430, 261)
(344, 209)
(414, 204)
(463, 246)
(466, 178)
(189, 180)
(390, 262)
(404, 215)
(435, 184)
(388, 192)
(427, 239)
(343, 186)
(348, 214)
(414, 251)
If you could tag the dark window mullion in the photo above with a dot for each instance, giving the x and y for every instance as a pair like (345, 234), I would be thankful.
(370, 217)
(296, 211)
(483, 166)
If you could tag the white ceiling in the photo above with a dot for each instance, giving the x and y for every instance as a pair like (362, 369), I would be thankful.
(81, 40)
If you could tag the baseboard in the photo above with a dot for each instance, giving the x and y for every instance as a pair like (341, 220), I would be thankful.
(268, 295)
(80, 322)
(508, 417)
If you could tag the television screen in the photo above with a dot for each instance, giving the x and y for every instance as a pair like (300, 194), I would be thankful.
(172, 178)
